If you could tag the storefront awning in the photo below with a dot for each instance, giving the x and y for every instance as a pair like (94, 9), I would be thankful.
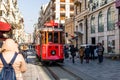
(4, 26)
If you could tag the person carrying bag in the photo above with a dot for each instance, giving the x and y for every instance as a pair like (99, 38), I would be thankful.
(10, 57)
(8, 72)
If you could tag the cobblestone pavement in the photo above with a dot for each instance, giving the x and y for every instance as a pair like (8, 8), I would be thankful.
(34, 71)
(108, 70)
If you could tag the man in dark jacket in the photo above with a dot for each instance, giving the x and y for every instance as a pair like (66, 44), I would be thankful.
(73, 54)
(87, 53)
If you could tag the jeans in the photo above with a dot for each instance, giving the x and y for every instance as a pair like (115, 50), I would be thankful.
(100, 58)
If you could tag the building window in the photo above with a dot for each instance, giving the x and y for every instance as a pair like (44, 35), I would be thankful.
(92, 24)
(103, 2)
(76, 10)
(94, 4)
(81, 27)
(100, 22)
(118, 14)
(101, 39)
(77, 28)
(110, 19)
(85, 4)
(80, 6)
(0, 12)
(111, 44)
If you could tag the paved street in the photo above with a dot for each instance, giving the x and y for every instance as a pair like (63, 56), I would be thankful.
(108, 70)
(34, 71)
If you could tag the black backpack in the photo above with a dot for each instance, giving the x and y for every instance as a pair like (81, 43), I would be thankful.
(7, 72)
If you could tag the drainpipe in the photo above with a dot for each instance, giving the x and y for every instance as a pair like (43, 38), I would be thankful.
(86, 30)
(119, 29)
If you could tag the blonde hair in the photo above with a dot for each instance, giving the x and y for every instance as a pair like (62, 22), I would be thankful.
(9, 45)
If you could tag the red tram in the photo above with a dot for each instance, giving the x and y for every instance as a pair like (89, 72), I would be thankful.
(50, 41)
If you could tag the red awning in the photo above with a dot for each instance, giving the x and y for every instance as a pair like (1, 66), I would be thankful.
(51, 23)
(4, 26)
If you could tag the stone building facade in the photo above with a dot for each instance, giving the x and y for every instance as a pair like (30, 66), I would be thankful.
(57, 10)
(69, 31)
(80, 12)
(102, 25)
(95, 21)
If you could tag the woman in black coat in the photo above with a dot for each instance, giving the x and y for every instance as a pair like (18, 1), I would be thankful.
(73, 54)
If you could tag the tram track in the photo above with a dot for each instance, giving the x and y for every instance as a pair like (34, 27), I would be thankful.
(53, 74)
(60, 73)
(73, 74)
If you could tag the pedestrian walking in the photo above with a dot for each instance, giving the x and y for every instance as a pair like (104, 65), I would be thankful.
(73, 53)
(66, 52)
(8, 51)
(87, 54)
(92, 47)
(81, 53)
(24, 50)
(100, 52)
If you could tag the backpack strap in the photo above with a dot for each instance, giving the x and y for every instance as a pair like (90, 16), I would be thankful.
(13, 59)
(11, 62)
(3, 60)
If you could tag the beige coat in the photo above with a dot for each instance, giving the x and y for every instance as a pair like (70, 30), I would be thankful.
(81, 51)
(8, 49)
(19, 64)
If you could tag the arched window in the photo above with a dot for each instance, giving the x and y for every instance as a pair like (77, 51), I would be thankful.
(80, 27)
(92, 24)
(100, 22)
(77, 28)
(110, 19)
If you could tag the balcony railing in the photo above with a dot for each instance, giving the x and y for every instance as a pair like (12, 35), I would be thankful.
(117, 3)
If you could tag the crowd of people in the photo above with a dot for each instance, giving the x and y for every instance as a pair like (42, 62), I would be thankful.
(88, 52)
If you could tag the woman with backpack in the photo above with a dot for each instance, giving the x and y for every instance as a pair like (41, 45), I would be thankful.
(8, 51)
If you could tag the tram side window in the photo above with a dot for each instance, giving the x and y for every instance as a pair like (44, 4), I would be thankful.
(62, 38)
(56, 37)
(50, 37)
(43, 38)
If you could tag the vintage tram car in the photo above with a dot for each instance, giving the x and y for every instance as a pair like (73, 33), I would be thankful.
(50, 40)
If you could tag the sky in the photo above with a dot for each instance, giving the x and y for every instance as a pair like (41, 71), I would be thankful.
(30, 11)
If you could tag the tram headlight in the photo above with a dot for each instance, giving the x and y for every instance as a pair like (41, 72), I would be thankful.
(53, 52)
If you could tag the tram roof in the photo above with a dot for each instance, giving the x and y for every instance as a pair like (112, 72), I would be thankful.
(50, 29)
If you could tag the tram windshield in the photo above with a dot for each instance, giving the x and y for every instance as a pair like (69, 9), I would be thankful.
(52, 37)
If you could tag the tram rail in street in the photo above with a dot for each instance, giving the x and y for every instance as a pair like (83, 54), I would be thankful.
(59, 72)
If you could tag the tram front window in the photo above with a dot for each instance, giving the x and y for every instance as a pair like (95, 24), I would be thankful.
(55, 37)
(50, 37)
